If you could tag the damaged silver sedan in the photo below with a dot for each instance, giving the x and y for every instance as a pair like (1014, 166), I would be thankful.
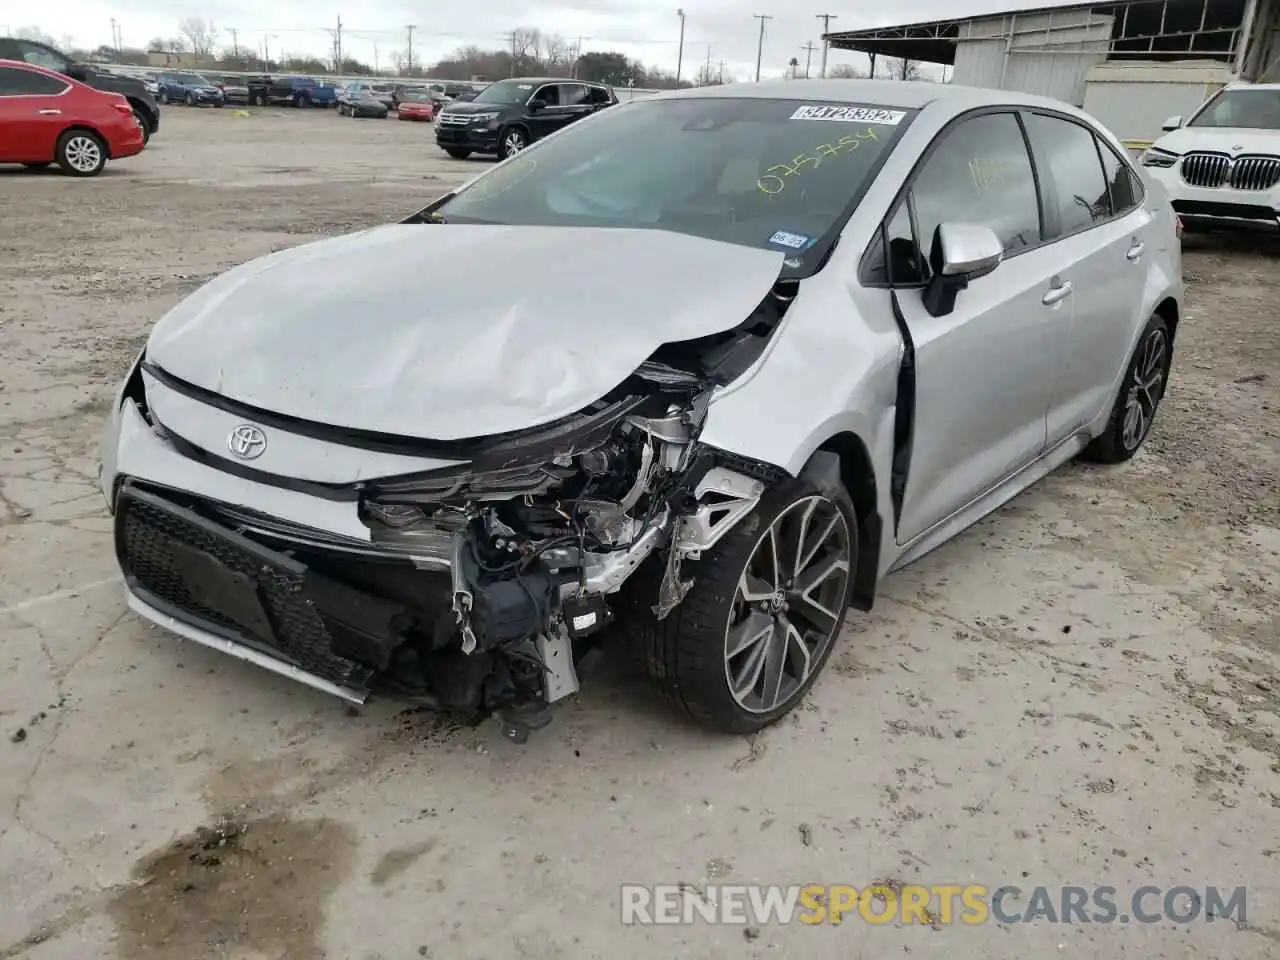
(703, 369)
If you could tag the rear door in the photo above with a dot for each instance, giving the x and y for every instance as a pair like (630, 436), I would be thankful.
(32, 115)
(1094, 213)
(985, 372)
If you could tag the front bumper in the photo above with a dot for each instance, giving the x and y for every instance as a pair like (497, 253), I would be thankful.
(479, 139)
(205, 97)
(1220, 207)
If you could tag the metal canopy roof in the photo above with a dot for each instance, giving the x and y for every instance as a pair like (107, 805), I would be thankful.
(1150, 29)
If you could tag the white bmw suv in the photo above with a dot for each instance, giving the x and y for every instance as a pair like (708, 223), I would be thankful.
(1222, 167)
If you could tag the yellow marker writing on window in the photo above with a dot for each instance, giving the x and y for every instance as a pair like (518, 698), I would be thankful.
(774, 180)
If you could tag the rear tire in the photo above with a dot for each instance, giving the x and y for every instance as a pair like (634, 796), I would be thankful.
(301, 100)
(1143, 387)
(191, 99)
(81, 153)
(784, 614)
(456, 153)
(142, 122)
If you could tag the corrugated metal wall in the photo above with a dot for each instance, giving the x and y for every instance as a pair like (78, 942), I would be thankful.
(1043, 53)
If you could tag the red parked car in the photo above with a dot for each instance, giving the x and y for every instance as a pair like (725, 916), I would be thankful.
(46, 118)
(416, 106)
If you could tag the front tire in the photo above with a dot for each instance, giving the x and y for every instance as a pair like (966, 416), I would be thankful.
(81, 154)
(766, 607)
(1141, 391)
(164, 97)
(512, 141)
(191, 99)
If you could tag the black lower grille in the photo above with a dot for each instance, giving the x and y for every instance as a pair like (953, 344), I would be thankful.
(199, 573)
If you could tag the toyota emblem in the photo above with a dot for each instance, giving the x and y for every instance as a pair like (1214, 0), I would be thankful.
(247, 442)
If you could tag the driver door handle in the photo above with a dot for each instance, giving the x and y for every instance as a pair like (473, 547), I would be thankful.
(1057, 293)
(50, 113)
(1135, 251)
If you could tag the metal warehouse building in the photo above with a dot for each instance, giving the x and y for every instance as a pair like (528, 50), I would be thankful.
(1131, 64)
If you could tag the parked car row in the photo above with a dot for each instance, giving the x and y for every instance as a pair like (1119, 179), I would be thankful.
(46, 117)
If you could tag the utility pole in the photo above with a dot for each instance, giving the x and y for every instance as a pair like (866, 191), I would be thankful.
(513, 53)
(808, 56)
(826, 19)
(409, 55)
(337, 47)
(375, 58)
(706, 77)
(680, 53)
(763, 18)
(720, 76)
(235, 42)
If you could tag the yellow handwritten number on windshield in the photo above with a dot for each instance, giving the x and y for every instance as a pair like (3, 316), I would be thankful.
(774, 180)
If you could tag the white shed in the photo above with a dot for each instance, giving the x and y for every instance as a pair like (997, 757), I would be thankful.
(1133, 98)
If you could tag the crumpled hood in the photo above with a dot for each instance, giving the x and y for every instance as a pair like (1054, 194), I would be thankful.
(451, 331)
(1223, 140)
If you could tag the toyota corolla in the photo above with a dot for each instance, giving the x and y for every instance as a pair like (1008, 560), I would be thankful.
(706, 367)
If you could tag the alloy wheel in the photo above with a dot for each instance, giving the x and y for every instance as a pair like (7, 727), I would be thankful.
(513, 141)
(83, 154)
(789, 604)
(1146, 386)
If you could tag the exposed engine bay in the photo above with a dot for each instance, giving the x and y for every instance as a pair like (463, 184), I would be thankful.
(483, 586)
(544, 530)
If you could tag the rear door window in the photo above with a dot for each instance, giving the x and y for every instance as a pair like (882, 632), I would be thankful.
(28, 83)
(1075, 190)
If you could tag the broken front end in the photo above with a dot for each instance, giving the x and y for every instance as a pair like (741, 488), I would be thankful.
(480, 585)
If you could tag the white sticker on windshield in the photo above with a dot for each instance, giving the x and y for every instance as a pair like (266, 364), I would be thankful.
(816, 111)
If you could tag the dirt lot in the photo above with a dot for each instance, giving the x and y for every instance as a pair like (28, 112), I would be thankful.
(1084, 689)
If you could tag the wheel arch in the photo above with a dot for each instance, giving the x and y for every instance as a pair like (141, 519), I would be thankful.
(1167, 310)
(85, 128)
(848, 454)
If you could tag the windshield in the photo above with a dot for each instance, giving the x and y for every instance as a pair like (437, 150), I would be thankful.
(1254, 109)
(194, 79)
(776, 174)
(506, 91)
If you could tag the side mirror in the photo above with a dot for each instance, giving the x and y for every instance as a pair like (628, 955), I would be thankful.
(78, 71)
(536, 105)
(1173, 123)
(960, 252)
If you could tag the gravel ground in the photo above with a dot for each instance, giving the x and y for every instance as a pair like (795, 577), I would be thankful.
(1083, 689)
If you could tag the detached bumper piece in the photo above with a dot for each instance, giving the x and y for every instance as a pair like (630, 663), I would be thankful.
(217, 582)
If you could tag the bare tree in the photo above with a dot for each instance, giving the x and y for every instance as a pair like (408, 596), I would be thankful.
(36, 34)
(200, 33)
(845, 71)
(900, 68)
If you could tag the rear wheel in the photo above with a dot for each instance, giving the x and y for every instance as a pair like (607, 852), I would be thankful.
(302, 100)
(1140, 394)
(81, 154)
(191, 99)
(762, 617)
(164, 97)
(456, 153)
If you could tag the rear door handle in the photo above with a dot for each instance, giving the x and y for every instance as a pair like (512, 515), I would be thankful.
(50, 113)
(1135, 251)
(1057, 294)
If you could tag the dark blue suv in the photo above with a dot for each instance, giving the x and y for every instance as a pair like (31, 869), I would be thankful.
(189, 88)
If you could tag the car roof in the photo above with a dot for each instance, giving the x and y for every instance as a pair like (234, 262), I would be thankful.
(590, 83)
(1253, 86)
(900, 94)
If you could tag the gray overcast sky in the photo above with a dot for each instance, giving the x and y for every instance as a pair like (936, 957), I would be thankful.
(644, 29)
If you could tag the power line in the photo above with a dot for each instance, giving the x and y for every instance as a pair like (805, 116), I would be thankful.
(826, 19)
(763, 18)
